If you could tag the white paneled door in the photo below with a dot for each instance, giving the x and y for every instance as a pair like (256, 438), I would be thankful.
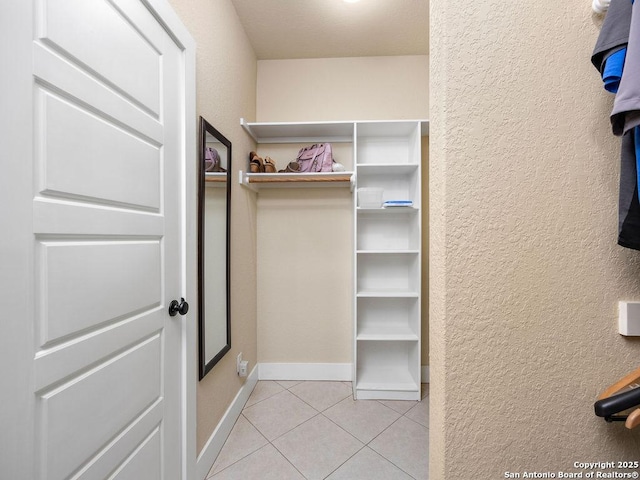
(95, 123)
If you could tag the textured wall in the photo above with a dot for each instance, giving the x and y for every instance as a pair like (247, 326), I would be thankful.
(305, 303)
(226, 83)
(525, 272)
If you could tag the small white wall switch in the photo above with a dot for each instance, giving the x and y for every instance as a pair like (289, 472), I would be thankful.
(629, 318)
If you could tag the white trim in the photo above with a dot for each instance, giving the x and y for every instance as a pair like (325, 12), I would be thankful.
(424, 374)
(171, 22)
(189, 330)
(365, 394)
(216, 441)
(316, 371)
(339, 372)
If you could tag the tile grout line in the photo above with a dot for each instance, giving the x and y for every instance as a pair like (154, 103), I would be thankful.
(384, 430)
(245, 456)
(307, 403)
(330, 420)
(288, 461)
(318, 412)
(338, 467)
(269, 442)
(364, 445)
(262, 400)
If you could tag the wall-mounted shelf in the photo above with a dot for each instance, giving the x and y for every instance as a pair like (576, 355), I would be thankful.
(313, 132)
(257, 181)
(387, 210)
(299, 132)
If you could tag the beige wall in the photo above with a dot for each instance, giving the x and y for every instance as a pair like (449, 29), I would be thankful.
(524, 270)
(304, 276)
(226, 86)
(362, 88)
(305, 267)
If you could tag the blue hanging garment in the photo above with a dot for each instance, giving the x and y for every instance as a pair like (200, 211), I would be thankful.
(612, 71)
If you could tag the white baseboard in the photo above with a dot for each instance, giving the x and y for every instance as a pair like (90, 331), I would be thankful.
(337, 372)
(315, 371)
(219, 436)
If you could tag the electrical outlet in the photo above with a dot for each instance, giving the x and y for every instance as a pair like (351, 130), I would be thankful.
(244, 367)
(238, 363)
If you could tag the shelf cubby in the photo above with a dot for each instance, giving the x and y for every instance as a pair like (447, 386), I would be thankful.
(388, 273)
(391, 143)
(388, 229)
(396, 184)
(388, 370)
(388, 318)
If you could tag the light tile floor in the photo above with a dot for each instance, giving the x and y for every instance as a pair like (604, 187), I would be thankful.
(315, 431)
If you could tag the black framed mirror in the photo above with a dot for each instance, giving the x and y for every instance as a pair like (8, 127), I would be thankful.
(214, 209)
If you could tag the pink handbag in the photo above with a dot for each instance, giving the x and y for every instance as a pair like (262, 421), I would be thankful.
(212, 161)
(316, 158)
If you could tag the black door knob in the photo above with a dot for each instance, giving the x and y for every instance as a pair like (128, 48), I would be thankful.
(180, 307)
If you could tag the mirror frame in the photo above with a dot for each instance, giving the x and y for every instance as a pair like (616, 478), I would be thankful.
(205, 366)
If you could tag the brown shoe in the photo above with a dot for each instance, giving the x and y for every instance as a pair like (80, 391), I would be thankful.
(293, 167)
(269, 165)
(256, 164)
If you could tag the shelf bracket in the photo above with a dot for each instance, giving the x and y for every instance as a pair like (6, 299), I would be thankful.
(244, 181)
(247, 129)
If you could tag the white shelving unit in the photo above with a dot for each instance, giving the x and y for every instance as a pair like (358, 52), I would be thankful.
(387, 242)
(387, 263)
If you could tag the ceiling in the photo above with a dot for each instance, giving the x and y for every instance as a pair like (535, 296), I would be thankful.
(281, 29)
